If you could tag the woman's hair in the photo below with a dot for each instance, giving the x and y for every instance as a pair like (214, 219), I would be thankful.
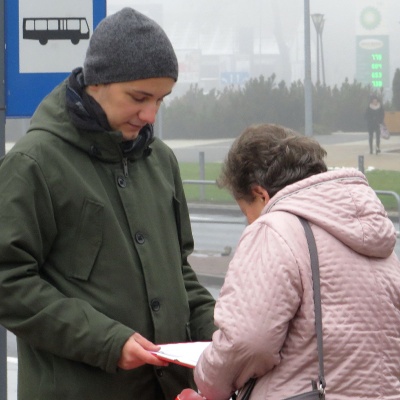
(271, 156)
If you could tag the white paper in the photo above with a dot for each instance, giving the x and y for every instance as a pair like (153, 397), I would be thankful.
(182, 353)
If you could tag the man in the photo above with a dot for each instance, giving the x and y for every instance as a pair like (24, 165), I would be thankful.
(95, 230)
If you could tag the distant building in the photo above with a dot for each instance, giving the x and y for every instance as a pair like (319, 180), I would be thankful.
(223, 42)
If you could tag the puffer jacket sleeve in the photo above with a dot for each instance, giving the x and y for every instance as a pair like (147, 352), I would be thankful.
(261, 294)
(30, 306)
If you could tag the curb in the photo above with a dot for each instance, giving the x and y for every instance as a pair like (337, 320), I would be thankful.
(211, 280)
(213, 208)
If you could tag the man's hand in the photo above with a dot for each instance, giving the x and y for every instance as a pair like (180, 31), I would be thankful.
(135, 353)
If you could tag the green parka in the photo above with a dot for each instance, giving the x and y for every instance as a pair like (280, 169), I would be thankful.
(93, 247)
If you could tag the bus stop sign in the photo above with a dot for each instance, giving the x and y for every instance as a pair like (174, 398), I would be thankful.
(45, 41)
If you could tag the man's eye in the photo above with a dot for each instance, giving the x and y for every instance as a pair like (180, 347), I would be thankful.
(139, 99)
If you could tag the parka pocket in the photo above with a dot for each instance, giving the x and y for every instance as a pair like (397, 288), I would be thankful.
(88, 239)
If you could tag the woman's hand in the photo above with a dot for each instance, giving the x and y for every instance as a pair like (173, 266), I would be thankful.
(136, 352)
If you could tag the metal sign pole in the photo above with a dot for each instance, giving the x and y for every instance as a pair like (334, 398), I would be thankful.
(3, 332)
(3, 363)
(2, 82)
(308, 120)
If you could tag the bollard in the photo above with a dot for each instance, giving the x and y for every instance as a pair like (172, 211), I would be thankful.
(202, 174)
(361, 163)
(3, 363)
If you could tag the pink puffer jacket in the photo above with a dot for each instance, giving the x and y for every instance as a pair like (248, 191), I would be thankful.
(265, 313)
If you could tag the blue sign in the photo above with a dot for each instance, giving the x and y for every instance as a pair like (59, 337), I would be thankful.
(45, 41)
(234, 78)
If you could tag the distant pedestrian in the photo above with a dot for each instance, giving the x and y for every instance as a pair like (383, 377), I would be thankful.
(375, 115)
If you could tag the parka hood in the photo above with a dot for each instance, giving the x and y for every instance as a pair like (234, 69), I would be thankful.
(342, 203)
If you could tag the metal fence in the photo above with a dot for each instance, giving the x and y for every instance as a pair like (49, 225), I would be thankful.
(395, 216)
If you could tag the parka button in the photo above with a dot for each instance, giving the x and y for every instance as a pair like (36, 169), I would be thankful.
(121, 181)
(155, 305)
(139, 237)
(94, 151)
(160, 372)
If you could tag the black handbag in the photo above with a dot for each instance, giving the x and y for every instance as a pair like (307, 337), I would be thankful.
(317, 389)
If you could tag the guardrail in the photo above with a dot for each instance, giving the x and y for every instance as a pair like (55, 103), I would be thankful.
(397, 198)
(201, 184)
(218, 221)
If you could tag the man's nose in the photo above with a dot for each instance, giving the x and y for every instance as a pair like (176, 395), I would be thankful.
(148, 113)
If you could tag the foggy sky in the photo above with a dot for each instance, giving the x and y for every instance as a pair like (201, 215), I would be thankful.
(190, 23)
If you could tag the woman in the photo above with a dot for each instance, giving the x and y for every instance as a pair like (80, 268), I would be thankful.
(265, 312)
(375, 116)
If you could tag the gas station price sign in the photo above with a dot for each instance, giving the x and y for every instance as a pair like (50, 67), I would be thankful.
(376, 70)
(373, 61)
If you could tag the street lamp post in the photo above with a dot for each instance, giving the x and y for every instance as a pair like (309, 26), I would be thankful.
(318, 20)
(308, 119)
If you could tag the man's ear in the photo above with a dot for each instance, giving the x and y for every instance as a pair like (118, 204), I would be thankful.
(92, 89)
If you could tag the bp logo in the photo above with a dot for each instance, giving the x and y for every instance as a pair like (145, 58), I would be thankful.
(370, 18)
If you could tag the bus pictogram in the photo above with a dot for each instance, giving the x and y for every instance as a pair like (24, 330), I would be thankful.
(45, 29)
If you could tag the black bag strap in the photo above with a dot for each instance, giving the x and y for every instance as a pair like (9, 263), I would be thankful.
(317, 296)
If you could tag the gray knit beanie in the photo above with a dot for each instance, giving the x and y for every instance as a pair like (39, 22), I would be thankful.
(129, 46)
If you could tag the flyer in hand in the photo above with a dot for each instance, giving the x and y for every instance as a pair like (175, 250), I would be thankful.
(186, 354)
